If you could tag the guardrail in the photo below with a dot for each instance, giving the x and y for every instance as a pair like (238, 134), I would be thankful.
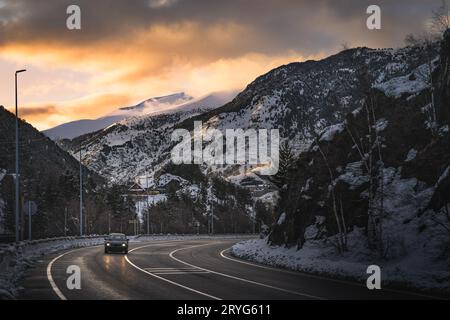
(36, 246)
(17, 256)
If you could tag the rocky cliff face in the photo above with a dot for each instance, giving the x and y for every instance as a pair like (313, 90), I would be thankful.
(383, 170)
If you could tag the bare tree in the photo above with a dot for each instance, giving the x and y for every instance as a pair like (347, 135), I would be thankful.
(338, 213)
(427, 44)
(345, 46)
(369, 148)
(441, 18)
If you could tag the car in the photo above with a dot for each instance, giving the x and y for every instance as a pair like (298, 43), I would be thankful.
(116, 242)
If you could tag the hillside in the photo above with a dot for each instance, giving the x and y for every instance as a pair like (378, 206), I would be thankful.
(299, 99)
(49, 176)
(373, 189)
(153, 106)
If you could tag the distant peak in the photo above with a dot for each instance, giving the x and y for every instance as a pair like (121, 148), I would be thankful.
(174, 98)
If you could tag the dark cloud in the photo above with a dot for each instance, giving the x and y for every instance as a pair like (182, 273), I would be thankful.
(269, 26)
(37, 111)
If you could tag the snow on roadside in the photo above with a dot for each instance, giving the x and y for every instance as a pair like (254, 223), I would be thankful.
(416, 247)
(319, 258)
(16, 258)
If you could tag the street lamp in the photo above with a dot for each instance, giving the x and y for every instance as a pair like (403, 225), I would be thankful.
(81, 196)
(17, 159)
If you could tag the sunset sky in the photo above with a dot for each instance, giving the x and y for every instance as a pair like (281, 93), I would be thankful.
(129, 51)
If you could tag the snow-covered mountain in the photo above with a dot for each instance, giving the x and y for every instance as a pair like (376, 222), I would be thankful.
(299, 99)
(132, 146)
(153, 105)
(373, 189)
(77, 128)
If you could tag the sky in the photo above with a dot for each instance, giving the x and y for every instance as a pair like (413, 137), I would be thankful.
(129, 51)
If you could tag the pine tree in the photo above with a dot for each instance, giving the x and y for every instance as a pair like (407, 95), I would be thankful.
(286, 164)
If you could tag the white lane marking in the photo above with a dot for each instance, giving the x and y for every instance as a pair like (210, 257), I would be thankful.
(322, 278)
(50, 277)
(167, 280)
(297, 273)
(237, 278)
(50, 264)
(174, 270)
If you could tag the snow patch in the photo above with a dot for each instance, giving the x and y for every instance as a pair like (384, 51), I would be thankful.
(411, 155)
(282, 218)
(329, 132)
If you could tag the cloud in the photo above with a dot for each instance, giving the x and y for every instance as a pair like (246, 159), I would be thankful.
(131, 50)
(54, 113)
(37, 111)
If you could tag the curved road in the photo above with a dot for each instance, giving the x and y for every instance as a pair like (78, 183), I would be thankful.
(191, 269)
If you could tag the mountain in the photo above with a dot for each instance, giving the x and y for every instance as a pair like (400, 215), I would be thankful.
(130, 147)
(153, 105)
(306, 101)
(373, 189)
(299, 99)
(165, 104)
(77, 128)
(48, 175)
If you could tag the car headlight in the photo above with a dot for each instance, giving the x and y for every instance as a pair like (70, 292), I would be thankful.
(108, 244)
(123, 245)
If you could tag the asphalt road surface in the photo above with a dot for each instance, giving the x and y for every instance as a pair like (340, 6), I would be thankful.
(191, 269)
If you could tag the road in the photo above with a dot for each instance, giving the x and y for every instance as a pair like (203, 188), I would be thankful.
(183, 270)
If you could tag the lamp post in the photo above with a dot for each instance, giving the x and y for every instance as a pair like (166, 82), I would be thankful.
(81, 196)
(17, 159)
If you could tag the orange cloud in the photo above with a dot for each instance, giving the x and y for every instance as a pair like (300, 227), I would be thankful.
(45, 116)
(129, 51)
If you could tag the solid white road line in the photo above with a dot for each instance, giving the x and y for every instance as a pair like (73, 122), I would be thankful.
(222, 254)
(50, 264)
(237, 278)
(297, 273)
(50, 277)
(167, 280)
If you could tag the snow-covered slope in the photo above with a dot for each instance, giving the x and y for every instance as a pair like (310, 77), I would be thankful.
(132, 146)
(153, 105)
(77, 128)
(165, 104)
(299, 99)
(373, 189)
